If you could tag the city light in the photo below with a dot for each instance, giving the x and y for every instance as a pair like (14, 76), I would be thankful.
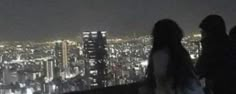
(67, 65)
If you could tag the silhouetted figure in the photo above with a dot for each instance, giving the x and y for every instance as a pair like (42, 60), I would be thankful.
(212, 61)
(232, 36)
(231, 69)
(170, 69)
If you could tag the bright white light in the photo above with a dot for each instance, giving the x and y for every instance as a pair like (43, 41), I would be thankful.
(86, 36)
(136, 68)
(2, 46)
(18, 58)
(53, 87)
(193, 56)
(58, 41)
(93, 72)
(46, 80)
(95, 84)
(144, 63)
(103, 33)
(94, 32)
(29, 91)
(10, 92)
(70, 76)
(86, 33)
(22, 85)
(18, 46)
(197, 35)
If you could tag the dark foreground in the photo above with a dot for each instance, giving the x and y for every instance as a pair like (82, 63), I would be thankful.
(120, 89)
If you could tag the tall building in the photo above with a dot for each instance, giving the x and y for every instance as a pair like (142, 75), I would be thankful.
(49, 67)
(61, 53)
(95, 58)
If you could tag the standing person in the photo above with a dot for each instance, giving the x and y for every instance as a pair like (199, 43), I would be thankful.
(170, 69)
(232, 37)
(212, 61)
(231, 70)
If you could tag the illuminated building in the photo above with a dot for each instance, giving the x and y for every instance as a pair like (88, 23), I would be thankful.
(95, 54)
(49, 66)
(61, 53)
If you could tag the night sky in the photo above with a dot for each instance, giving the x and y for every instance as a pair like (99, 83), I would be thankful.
(49, 19)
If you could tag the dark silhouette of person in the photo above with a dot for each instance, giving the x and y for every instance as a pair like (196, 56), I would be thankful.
(232, 36)
(231, 68)
(170, 69)
(211, 64)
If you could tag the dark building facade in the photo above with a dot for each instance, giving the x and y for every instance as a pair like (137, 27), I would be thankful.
(95, 58)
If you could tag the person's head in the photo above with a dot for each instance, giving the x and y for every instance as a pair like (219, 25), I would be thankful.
(213, 27)
(232, 33)
(166, 33)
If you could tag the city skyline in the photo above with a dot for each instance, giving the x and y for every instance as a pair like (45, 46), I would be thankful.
(65, 65)
(42, 20)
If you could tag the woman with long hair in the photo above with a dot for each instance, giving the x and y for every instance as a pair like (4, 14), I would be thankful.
(170, 69)
(213, 63)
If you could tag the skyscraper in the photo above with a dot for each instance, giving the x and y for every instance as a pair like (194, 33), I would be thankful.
(95, 58)
(49, 67)
(61, 53)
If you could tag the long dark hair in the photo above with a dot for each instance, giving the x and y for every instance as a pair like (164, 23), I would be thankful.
(215, 48)
(214, 27)
(167, 34)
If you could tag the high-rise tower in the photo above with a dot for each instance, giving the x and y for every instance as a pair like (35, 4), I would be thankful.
(61, 53)
(95, 58)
